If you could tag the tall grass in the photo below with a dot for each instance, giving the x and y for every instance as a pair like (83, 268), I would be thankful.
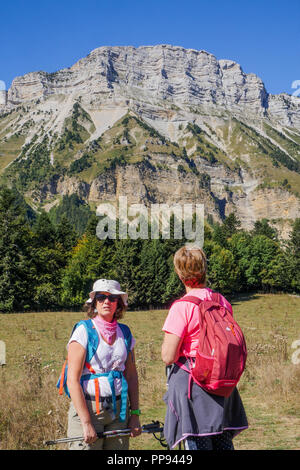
(31, 410)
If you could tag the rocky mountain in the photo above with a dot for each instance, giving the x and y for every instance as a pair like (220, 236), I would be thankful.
(158, 124)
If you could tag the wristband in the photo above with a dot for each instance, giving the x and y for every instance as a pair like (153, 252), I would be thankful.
(135, 412)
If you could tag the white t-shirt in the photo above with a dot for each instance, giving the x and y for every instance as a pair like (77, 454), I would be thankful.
(107, 358)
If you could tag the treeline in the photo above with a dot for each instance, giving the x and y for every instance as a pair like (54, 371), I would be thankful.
(46, 264)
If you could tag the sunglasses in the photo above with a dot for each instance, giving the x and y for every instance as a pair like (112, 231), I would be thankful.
(110, 297)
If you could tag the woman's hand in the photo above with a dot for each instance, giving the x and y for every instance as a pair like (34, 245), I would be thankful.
(134, 425)
(89, 433)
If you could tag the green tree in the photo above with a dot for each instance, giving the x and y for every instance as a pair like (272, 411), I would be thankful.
(223, 273)
(154, 273)
(91, 225)
(50, 258)
(44, 230)
(237, 245)
(16, 264)
(231, 225)
(260, 255)
(66, 235)
(90, 259)
(275, 275)
(173, 287)
(75, 209)
(22, 205)
(219, 235)
(294, 239)
(262, 227)
(292, 256)
(126, 267)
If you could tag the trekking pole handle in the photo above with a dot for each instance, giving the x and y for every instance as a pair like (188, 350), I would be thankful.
(147, 428)
(100, 435)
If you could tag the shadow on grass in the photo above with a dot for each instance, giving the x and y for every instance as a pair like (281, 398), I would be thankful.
(242, 297)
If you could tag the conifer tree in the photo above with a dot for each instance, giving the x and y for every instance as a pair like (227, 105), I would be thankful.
(49, 260)
(66, 234)
(75, 209)
(237, 245)
(293, 256)
(16, 264)
(126, 267)
(259, 255)
(262, 227)
(231, 225)
(44, 231)
(174, 288)
(223, 273)
(90, 259)
(219, 235)
(154, 273)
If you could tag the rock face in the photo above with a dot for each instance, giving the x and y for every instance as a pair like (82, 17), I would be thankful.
(285, 109)
(213, 133)
(182, 76)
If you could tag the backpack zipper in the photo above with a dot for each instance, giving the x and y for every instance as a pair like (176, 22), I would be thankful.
(232, 328)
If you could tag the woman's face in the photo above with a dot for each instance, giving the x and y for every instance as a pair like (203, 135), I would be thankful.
(106, 305)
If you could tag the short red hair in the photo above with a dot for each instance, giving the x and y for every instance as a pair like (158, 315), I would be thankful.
(190, 263)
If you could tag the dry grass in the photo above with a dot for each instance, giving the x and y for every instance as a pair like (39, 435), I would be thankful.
(270, 384)
(31, 409)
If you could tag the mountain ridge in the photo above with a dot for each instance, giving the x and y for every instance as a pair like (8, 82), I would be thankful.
(141, 121)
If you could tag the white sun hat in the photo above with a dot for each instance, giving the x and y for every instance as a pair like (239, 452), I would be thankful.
(107, 285)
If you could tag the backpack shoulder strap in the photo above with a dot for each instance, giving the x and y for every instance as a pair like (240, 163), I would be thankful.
(190, 298)
(216, 297)
(93, 338)
(127, 335)
(93, 341)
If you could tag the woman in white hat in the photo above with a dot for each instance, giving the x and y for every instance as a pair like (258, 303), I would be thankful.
(102, 379)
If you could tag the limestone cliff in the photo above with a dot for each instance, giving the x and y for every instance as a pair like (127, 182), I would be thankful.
(158, 124)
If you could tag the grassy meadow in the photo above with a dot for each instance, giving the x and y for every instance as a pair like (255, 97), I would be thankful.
(31, 410)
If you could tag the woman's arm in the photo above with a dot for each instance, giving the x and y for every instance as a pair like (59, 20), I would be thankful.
(130, 374)
(170, 348)
(76, 359)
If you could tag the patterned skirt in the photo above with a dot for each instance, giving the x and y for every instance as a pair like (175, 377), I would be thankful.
(204, 414)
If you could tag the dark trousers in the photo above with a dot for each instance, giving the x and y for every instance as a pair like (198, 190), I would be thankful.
(215, 442)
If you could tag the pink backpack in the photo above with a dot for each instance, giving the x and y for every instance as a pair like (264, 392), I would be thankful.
(221, 353)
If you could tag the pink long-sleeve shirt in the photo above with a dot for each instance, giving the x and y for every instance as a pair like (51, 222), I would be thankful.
(183, 320)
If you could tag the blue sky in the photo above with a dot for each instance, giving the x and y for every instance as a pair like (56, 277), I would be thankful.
(261, 35)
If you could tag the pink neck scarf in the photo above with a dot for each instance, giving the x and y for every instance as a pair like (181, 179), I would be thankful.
(107, 329)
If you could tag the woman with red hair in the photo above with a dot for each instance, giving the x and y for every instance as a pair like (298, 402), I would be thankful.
(203, 420)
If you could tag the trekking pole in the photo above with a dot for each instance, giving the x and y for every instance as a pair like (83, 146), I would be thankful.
(152, 428)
